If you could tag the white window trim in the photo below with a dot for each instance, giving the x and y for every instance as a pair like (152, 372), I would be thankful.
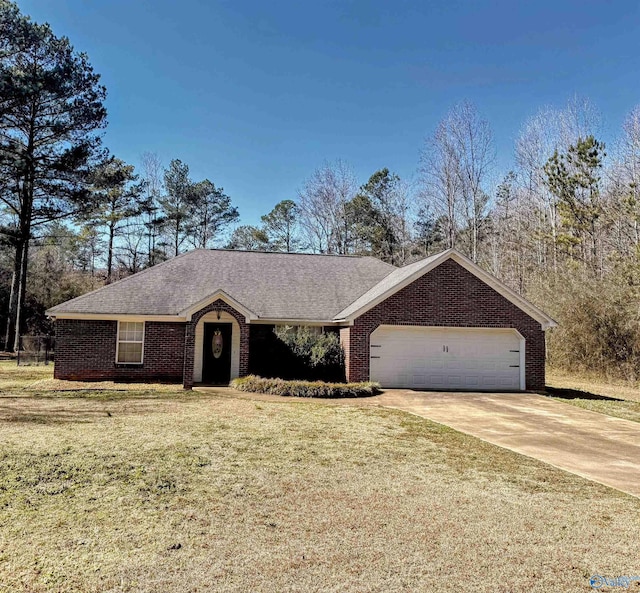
(130, 342)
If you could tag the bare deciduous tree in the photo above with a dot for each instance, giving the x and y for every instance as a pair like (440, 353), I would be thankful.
(152, 219)
(440, 183)
(322, 201)
(623, 184)
(473, 143)
(455, 165)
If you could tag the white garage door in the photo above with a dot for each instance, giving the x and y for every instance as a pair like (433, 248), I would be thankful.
(447, 358)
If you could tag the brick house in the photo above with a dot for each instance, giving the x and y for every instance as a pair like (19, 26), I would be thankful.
(439, 323)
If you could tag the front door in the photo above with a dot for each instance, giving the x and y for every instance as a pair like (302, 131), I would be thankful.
(216, 355)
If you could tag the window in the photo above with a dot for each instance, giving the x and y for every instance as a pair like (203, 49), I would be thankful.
(130, 342)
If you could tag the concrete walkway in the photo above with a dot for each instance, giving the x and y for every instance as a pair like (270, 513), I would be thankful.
(592, 445)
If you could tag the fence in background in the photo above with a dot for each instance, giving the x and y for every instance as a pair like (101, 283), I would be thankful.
(35, 350)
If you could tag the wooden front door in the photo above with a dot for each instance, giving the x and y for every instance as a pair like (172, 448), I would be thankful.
(216, 354)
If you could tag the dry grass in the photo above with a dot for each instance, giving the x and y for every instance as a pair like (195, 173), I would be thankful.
(593, 384)
(146, 491)
(38, 381)
(13, 377)
(618, 399)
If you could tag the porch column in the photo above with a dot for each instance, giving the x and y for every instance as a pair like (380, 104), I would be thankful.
(189, 353)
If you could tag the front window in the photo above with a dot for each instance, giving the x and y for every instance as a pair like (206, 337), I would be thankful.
(130, 342)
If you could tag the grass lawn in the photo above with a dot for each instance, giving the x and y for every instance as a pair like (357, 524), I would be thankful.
(591, 393)
(140, 489)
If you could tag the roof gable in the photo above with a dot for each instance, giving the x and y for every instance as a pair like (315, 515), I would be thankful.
(402, 277)
(214, 296)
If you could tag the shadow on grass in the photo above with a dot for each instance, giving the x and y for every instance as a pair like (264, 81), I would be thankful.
(96, 394)
(50, 417)
(30, 411)
(86, 407)
(564, 393)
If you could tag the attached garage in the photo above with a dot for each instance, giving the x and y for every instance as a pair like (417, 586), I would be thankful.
(419, 357)
(445, 323)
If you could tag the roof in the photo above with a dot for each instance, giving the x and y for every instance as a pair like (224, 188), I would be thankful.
(288, 286)
(285, 287)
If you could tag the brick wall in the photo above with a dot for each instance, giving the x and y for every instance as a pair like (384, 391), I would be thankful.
(190, 333)
(448, 295)
(86, 351)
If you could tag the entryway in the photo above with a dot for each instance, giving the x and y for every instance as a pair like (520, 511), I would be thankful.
(216, 353)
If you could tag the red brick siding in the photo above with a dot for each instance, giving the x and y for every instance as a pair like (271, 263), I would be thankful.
(448, 295)
(86, 351)
(190, 339)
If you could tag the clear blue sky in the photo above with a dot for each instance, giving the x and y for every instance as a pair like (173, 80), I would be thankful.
(255, 95)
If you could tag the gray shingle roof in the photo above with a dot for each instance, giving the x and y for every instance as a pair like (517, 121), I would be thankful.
(271, 285)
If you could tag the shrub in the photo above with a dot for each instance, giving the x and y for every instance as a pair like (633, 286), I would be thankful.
(599, 322)
(327, 351)
(315, 349)
(256, 384)
(301, 353)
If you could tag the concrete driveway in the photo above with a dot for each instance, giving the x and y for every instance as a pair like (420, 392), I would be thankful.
(592, 445)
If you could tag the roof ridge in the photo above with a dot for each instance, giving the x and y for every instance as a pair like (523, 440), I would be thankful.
(350, 255)
(122, 280)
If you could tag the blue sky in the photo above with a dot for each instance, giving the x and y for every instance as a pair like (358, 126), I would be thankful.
(255, 95)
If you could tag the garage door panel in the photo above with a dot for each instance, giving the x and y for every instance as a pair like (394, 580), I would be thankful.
(446, 358)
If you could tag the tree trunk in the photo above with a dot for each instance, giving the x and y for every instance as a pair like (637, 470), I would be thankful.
(112, 232)
(22, 287)
(22, 253)
(177, 243)
(205, 229)
(474, 241)
(13, 299)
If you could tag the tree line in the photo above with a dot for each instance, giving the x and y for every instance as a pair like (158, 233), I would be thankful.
(65, 195)
(562, 227)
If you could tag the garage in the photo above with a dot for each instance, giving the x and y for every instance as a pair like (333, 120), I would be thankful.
(463, 358)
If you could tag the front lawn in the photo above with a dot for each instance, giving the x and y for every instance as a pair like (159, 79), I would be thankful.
(158, 490)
